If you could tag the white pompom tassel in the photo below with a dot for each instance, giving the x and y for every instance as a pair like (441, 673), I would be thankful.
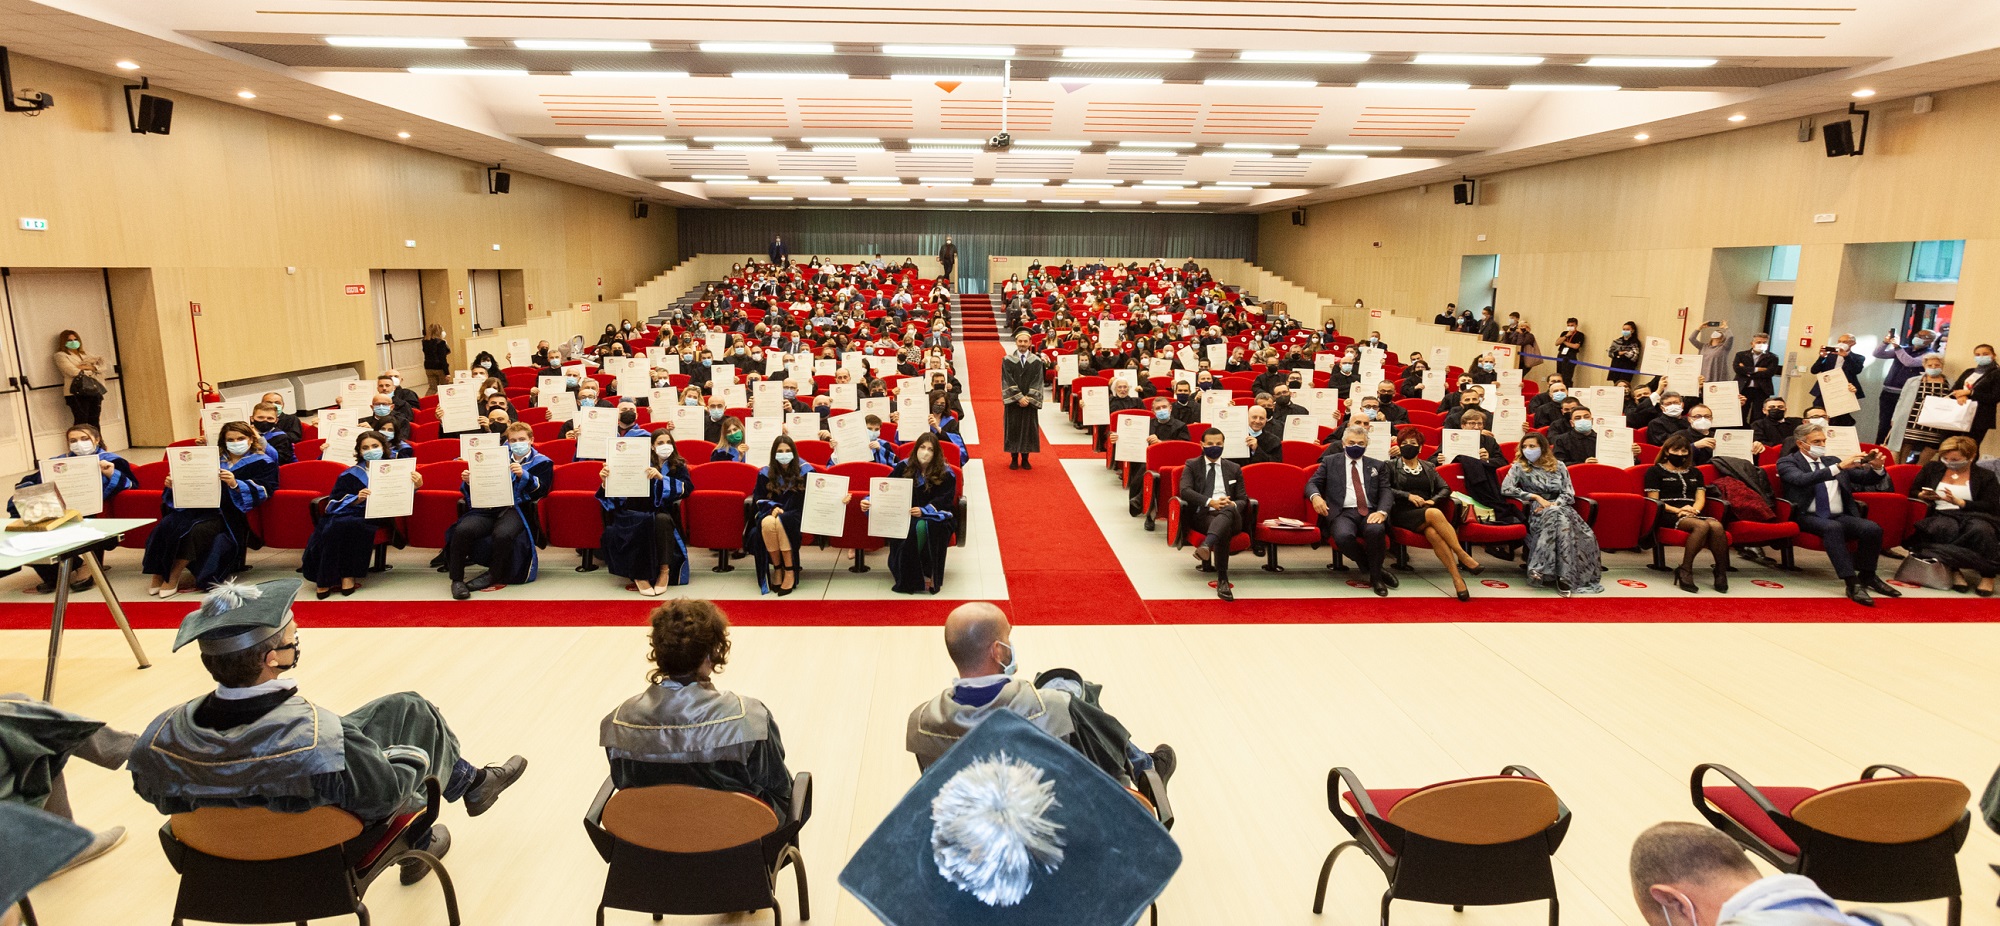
(990, 829)
(228, 595)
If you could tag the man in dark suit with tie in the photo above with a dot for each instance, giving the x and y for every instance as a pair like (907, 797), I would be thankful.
(1214, 502)
(1756, 373)
(1820, 488)
(1352, 496)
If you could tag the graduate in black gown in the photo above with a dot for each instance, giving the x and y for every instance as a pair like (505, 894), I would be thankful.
(772, 536)
(642, 536)
(207, 544)
(343, 542)
(504, 540)
(917, 561)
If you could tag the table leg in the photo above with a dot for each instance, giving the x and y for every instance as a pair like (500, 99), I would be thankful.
(117, 610)
(56, 628)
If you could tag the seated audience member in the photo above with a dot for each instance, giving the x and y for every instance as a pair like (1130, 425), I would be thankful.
(1264, 441)
(712, 426)
(502, 539)
(730, 446)
(1773, 428)
(1701, 433)
(1543, 407)
(1060, 703)
(1385, 399)
(383, 418)
(772, 537)
(255, 742)
(1670, 420)
(683, 730)
(1419, 494)
(277, 443)
(207, 544)
(37, 740)
(343, 541)
(1821, 489)
(1675, 482)
(642, 534)
(1489, 447)
(1961, 523)
(1641, 408)
(1187, 406)
(1579, 443)
(1469, 400)
(1686, 874)
(1562, 550)
(916, 560)
(1352, 496)
(84, 444)
(287, 421)
(1214, 502)
(1164, 427)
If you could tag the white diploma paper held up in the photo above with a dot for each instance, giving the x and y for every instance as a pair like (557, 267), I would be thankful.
(626, 467)
(492, 479)
(197, 476)
(79, 482)
(392, 492)
(1132, 433)
(889, 503)
(825, 513)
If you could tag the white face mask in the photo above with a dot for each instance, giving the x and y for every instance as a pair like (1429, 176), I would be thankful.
(925, 455)
(1699, 424)
(82, 447)
(1671, 411)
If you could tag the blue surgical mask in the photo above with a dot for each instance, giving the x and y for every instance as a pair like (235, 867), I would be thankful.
(1212, 451)
(705, 361)
(1257, 433)
(1162, 413)
(783, 457)
(791, 393)
(237, 447)
(1487, 367)
(1583, 426)
(1983, 360)
(1013, 661)
(1347, 368)
(1531, 454)
(520, 448)
(715, 414)
(382, 411)
(372, 454)
(586, 402)
(1559, 395)
(569, 380)
(1354, 451)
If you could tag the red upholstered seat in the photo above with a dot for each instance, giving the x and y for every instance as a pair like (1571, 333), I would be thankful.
(437, 451)
(142, 501)
(288, 520)
(389, 836)
(854, 532)
(1384, 799)
(558, 451)
(1620, 519)
(1737, 804)
(714, 507)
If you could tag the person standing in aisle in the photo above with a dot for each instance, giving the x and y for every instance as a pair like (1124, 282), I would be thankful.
(948, 256)
(1569, 346)
(86, 405)
(1021, 384)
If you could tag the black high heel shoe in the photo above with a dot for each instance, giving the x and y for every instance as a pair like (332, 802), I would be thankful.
(1684, 577)
(323, 594)
(1722, 577)
(1463, 593)
(1473, 570)
(793, 573)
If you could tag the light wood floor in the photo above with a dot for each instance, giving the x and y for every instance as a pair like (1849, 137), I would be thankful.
(1614, 716)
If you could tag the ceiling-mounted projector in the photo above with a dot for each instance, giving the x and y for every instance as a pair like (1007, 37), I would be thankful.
(1002, 141)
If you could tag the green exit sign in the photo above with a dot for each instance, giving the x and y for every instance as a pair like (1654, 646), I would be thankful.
(34, 224)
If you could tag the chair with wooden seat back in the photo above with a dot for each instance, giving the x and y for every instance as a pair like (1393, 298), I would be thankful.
(1872, 840)
(686, 851)
(1470, 842)
(253, 865)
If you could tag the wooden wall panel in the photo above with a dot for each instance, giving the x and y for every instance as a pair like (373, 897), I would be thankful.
(219, 209)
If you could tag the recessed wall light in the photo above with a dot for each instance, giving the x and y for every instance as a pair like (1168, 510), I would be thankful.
(1155, 144)
(650, 147)
(1128, 54)
(1863, 93)
(409, 242)
(1050, 143)
(937, 180)
(830, 140)
(625, 138)
(767, 48)
(954, 78)
(1564, 88)
(748, 148)
(335, 117)
(1257, 146)
(1138, 81)
(720, 177)
(1739, 117)
(1331, 156)
(873, 179)
(830, 199)
(935, 199)
(784, 75)
(752, 139)
(472, 72)
(1494, 60)
(632, 75)
(1119, 202)
(402, 134)
(1410, 85)
(128, 65)
(245, 95)
(387, 41)
(1364, 147)
(888, 199)
(990, 200)
(1251, 82)
(1174, 202)
(580, 45)
(1641, 136)
(771, 199)
(1146, 154)
(948, 141)
(1236, 154)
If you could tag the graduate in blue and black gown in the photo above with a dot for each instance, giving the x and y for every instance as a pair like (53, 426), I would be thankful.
(343, 542)
(917, 561)
(945, 426)
(642, 535)
(278, 442)
(504, 540)
(772, 536)
(207, 544)
(880, 449)
(730, 447)
(83, 441)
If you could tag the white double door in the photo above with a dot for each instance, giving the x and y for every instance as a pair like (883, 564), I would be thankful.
(35, 307)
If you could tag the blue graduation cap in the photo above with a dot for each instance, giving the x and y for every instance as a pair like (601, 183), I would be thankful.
(234, 617)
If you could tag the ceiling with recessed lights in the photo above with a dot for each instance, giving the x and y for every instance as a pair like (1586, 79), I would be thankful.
(1249, 105)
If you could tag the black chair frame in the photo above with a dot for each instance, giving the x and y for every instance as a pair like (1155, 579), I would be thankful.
(325, 883)
(1849, 869)
(702, 883)
(1428, 870)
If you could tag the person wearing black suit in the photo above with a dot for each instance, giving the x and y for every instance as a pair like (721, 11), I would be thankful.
(1352, 496)
(1774, 428)
(1756, 372)
(1214, 502)
(1841, 355)
(778, 253)
(1265, 442)
(1821, 490)
(1163, 428)
(1980, 383)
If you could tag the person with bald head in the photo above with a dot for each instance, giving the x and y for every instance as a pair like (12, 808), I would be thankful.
(979, 639)
(1686, 874)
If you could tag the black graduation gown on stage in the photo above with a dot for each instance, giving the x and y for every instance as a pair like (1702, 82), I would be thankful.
(920, 555)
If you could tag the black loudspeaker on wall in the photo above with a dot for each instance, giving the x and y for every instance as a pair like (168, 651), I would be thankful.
(498, 181)
(1465, 192)
(1298, 217)
(156, 114)
(1839, 138)
(641, 209)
